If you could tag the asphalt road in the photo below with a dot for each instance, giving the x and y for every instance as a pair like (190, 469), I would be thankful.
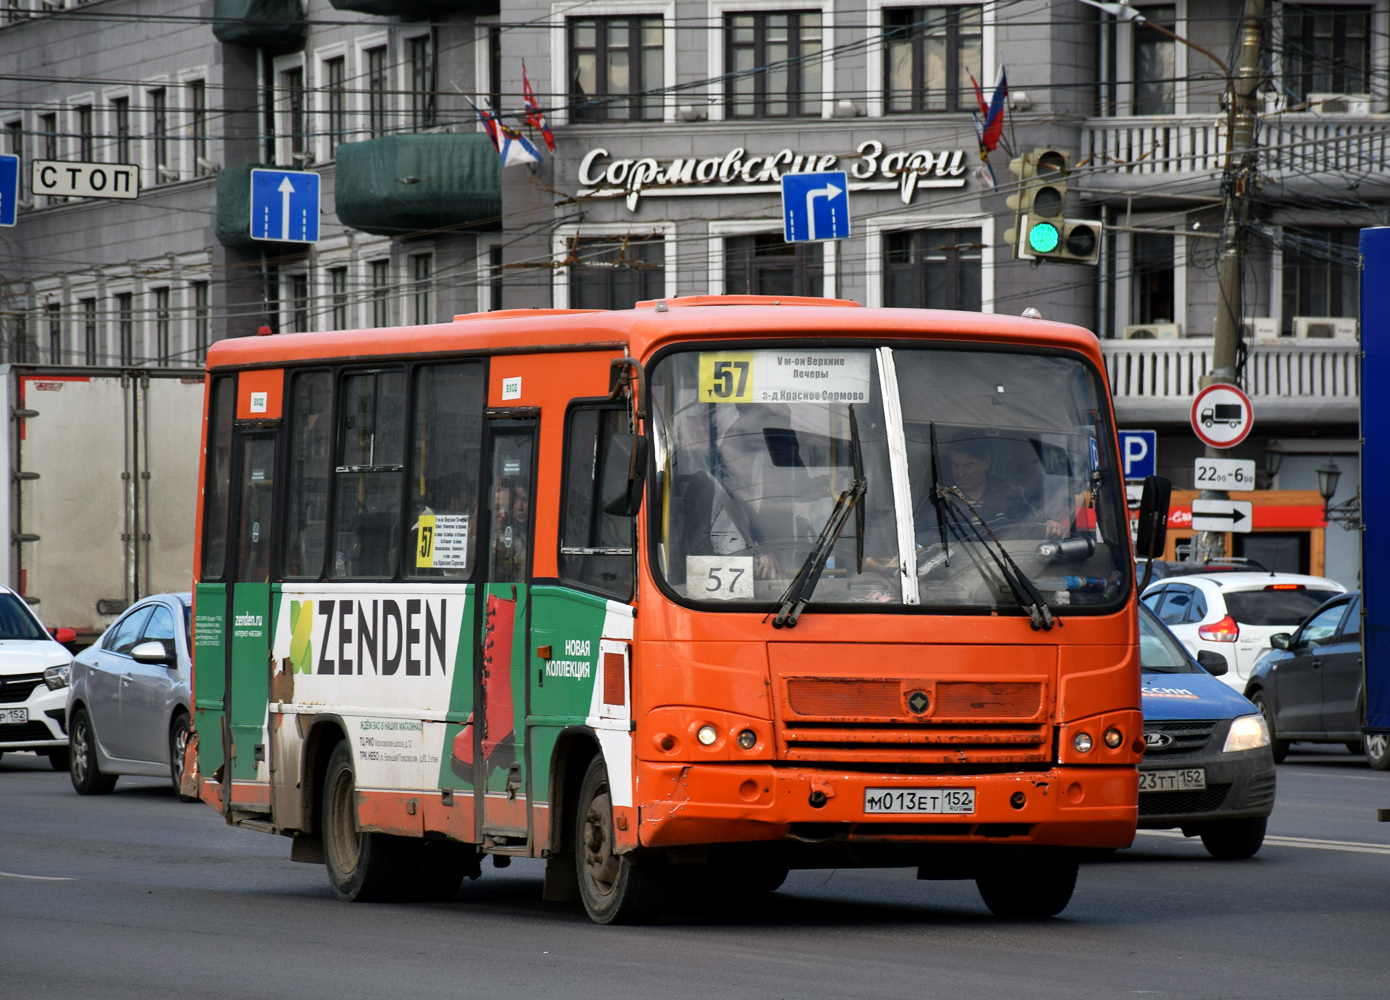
(137, 895)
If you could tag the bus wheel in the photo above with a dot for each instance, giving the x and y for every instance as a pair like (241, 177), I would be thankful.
(361, 866)
(1028, 892)
(615, 888)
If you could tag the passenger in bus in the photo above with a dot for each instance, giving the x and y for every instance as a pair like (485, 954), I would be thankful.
(511, 526)
(1005, 505)
(753, 499)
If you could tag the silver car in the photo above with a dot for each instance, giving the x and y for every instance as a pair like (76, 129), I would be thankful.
(129, 701)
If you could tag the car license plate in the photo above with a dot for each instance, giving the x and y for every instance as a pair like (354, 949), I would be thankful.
(1189, 779)
(11, 716)
(919, 800)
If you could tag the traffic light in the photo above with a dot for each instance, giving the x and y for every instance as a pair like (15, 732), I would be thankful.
(1041, 230)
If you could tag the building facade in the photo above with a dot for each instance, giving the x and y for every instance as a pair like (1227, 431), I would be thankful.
(673, 122)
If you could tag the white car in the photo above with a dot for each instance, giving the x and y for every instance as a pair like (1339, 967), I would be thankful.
(34, 671)
(1234, 614)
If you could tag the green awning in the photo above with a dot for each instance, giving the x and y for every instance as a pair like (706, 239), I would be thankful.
(404, 184)
(419, 8)
(258, 22)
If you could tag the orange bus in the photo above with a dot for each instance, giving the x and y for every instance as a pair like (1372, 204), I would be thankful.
(687, 595)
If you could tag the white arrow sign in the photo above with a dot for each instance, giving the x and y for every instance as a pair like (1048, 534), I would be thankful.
(829, 192)
(286, 190)
(1221, 515)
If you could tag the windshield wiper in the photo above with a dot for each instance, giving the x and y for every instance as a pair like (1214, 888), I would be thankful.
(1025, 593)
(794, 600)
(937, 500)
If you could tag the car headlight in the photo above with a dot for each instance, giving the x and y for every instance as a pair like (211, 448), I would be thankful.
(1249, 732)
(57, 677)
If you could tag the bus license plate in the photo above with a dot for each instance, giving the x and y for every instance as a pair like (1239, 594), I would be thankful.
(919, 800)
(11, 716)
(1189, 779)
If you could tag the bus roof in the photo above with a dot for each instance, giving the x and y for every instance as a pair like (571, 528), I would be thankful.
(646, 327)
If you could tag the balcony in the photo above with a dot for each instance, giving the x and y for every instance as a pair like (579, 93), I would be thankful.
(416, 9)
(1192, 147)
(272, 23)
(1288, 381)
(403, 185)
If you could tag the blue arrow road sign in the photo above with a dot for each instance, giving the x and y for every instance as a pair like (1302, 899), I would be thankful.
(1139, 452)
(285, 206)
(9, 188)
(815, 207)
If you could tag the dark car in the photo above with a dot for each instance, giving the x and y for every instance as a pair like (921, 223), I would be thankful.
(1207, 767)
(1309, 685)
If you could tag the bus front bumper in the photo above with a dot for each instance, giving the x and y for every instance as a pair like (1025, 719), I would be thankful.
(1065, 806)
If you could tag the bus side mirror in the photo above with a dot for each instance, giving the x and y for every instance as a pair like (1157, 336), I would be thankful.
(624, 474)
(1153, 518)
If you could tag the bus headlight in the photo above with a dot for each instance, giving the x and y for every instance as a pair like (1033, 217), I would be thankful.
(707, 735)
(1082, 742)
(1249, 732)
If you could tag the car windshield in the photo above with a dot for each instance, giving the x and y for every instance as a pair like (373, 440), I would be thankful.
(964, 453)
(1275, 607)
(16, 622)
(1159, 652)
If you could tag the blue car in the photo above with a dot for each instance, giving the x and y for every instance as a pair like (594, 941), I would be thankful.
(1208, 768)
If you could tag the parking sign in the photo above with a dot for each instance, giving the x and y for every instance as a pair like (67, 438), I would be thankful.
(1138, 452)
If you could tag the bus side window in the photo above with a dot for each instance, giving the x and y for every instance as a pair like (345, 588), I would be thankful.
(445, 466)
(367, 480)
(311, 444)
(596, 549)
(221, 411)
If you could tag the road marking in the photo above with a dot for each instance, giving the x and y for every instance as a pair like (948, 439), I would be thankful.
(1351, 846)
(36, 878)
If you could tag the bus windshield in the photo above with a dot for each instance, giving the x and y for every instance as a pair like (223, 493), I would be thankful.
(980, 465)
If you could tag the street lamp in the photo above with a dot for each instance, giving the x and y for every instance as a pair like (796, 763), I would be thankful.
(1274, 457)
(1347, 514)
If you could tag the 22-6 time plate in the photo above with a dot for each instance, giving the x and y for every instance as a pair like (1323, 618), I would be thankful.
(919, 801)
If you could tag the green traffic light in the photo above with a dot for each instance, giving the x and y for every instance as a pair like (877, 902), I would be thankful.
(1043, 237)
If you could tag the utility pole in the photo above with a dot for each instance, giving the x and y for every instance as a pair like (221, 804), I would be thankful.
(1238, 184)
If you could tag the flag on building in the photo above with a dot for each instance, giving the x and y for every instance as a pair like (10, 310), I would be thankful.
(989, 123)
(489, 121)
(515, 147)
(534, 117)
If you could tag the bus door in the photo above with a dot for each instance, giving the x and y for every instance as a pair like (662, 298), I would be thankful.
(253, 478)
(500, 778)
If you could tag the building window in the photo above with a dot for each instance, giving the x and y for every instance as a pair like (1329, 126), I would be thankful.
(120, 125)
(202, 328)
(48, 139)
(494, 66)
(292, 83)
(617, 272)
(932, 269)
(494, 268)
(86, 139)
(930, 53)
(422, 85)
(616, 68)
(270, 297)
(299, 303)
(381, 291)
(159, 135)
(14, 138)
(55, 333)
(773, 62)
(19, 343)
(376, 92)
(90, 350)
(767, 265)
(1152, 278)
(1155, 65)
(337, 290)
(198, 126)
(336, 84)
(125, 326)
(163, 348)
(422, 288)
(1320, 274)
(1326, 50)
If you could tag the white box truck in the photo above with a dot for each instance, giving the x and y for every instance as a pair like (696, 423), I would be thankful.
(103, 469)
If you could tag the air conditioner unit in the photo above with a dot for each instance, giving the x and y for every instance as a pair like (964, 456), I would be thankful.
(1260, 328)
(1340, 104)
(1324, 328)
(1153, 331)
